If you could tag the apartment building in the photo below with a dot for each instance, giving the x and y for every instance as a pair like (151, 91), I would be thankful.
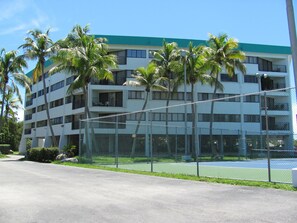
(267, 69)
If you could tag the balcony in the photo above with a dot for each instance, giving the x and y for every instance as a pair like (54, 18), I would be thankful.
(112, 99)
(276, 107)
(282, 126)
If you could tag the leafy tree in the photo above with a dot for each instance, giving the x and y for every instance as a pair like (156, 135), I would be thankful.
(11, 133)
(147, 78)
(39, 46)
(223, 55)
(11, 74)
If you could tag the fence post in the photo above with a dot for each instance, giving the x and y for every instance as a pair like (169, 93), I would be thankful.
(267, 138)
(117, 143)
(151, 141)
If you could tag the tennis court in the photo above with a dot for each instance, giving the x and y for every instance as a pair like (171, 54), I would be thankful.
(245, 170)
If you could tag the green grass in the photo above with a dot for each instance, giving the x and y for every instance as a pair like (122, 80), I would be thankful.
(2, 156)
(188, 177)
(128, 160)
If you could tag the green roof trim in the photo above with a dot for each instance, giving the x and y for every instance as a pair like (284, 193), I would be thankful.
(183, 43)
(157, 41)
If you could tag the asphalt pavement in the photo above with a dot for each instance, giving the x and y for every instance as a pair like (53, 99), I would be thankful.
(35, 192)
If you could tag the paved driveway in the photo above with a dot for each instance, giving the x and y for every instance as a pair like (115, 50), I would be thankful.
(34, 192)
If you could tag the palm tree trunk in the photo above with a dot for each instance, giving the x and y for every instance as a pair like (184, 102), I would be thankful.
(138, 124)
(47, 109)
(88, 115)
(193, 121)
(213, 149)
(3, 101)
(166, 119)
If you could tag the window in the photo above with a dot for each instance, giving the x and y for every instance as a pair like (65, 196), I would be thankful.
(227, 78)
(203, 96)
(41, 92)
(251, 118)
(172, 117)
(68, 99)
(57, 86)
(57, 121)
(135, 95)
(162, 95)
(251, 98)
(203, 117)
(68, 118)
(264, 65)
(251, 60)
(41, 123)
(69, 80)
(250, 79)
(56, 103)
(136, 53)
(121, 56)
(136, 116)
(219, 118)
(41, 108)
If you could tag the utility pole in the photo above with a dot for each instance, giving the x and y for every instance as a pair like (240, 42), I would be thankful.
(292, 33)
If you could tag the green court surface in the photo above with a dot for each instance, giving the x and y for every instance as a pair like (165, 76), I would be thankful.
(257, 174)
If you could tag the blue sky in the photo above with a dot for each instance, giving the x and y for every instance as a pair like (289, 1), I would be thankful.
(250, 21)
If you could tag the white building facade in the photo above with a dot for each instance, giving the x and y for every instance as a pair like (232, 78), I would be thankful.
(246, 115)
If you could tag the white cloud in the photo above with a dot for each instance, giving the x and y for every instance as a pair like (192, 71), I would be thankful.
(9, 9)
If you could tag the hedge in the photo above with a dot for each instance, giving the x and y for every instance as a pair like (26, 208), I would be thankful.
(44, 155)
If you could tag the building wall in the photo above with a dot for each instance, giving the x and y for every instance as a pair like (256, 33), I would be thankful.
(280, 111)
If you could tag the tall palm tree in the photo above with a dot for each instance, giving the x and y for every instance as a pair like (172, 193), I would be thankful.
(39, 46)
(167, 63)
(11, 73)
(197, 66)
(147, 78)
(224, 55)
(85, 57)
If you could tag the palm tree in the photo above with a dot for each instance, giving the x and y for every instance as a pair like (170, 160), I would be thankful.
(197, 67)
(147, 78)
(12, 104)
(38, 46)
(224, 55)
(85, 57)
(167, 63)
(11, 67)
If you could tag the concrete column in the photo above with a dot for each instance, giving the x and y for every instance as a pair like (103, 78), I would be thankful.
(22, 145)
(63, 139)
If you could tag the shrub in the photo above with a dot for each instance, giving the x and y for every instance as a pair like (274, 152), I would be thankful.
(70, 150)
(44, 155)
(5, 148)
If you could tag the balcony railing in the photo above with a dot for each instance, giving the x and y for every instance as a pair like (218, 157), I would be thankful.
(279, 68)
(107, 103)
(277, 126)
(274, 86)
(277, 107)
